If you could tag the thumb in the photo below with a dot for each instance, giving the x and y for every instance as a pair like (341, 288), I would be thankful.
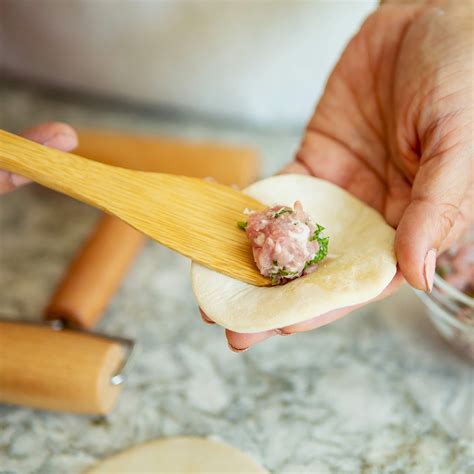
(53, 134)
(436, 215)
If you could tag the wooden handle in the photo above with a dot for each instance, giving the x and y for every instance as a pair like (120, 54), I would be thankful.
(95, 273)
(97, 270)
(86, 180)
(57, 370)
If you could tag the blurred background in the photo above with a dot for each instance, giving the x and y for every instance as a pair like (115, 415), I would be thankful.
(379, 391)
(262, 62)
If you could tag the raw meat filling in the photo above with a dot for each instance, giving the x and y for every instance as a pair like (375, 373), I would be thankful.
(286, 243)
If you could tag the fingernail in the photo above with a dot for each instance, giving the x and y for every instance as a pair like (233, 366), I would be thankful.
(280, 332)
(62, 141)
(234, 349)
(429, 270)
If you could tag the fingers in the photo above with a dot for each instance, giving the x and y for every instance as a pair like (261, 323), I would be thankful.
(240, 342)
(327, 318)
(327, 158)
(295, 167)
(440, 207)
(9, 182)
(465, 220)
(398, 195)
(205, 318)
(55, 135)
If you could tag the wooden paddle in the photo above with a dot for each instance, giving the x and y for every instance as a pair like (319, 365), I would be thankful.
(193, 217)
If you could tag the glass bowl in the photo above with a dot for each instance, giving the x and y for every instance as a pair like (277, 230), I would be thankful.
(452, 313)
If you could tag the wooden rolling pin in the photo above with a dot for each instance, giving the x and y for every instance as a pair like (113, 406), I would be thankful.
(58, 369)
(228, 164)
(98, 269)
(72, 371)
(95, 273)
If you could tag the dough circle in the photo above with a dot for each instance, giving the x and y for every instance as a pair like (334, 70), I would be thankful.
(183, 455)
(361, 262)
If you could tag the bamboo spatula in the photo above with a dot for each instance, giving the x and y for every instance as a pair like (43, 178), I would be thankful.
(193, 217)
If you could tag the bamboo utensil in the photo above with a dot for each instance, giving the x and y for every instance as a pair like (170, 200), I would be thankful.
(102, 261)
(193, 217)
(49, 367)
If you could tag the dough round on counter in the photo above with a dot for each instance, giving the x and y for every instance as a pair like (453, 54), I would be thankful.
(183, 455)
(360, 264)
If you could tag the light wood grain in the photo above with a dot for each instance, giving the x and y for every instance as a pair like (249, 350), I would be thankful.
(101, 263)
(57, 370)
(191, 216)
(95, 273)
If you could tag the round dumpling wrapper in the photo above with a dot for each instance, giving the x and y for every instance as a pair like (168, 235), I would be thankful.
(179, 455)
(360, 264)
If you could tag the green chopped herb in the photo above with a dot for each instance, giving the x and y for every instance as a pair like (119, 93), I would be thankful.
(323, 246)
(280, 273)
(242, 225)
(319, 229)
(282, 211)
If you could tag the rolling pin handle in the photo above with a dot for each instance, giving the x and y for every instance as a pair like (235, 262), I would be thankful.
(119, 376)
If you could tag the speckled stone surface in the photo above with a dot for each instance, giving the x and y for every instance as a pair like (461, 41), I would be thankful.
(377, 392)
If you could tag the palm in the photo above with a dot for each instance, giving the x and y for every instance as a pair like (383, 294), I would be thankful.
(380, 109)
(392, 128)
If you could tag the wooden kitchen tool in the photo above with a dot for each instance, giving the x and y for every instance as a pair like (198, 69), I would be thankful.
(191, 216)
(95, 273)
(47, 368)
(54, 368)
(97, 270)
(228, 164)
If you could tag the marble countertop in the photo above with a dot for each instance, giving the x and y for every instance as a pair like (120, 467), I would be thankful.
(377, 392)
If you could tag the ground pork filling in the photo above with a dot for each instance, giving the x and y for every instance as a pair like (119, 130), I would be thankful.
(286, 243)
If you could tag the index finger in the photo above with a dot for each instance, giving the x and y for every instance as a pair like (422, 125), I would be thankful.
(238, 342)
(53, 134)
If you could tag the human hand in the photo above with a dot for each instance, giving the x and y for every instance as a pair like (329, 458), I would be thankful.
(394, 128)
(55, 135)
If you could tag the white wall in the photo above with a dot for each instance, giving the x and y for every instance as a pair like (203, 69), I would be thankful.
(260, 61)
